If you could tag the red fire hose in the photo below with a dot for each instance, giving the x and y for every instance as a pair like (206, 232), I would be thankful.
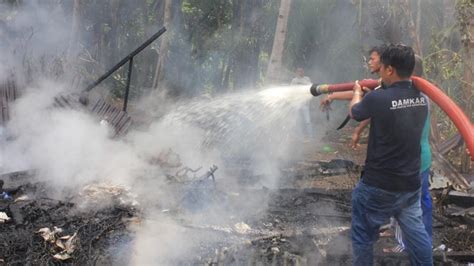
(460, 120)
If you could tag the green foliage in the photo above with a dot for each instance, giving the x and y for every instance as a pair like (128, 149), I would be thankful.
(444, 65)
(465, 10)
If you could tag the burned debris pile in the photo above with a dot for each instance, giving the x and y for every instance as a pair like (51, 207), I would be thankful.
(92, 224)
(454, 214)
(50, 233)
(45, 231)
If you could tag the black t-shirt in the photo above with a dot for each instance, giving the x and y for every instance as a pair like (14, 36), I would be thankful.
(398, 113)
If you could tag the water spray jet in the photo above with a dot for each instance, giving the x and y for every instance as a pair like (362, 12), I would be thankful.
(454, 112)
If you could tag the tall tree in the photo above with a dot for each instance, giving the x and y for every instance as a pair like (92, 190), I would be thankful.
(275, 65)
(412, 23)
(76, 22)
(465, 10)
(246, 54)
(163, 49)
(114, 25)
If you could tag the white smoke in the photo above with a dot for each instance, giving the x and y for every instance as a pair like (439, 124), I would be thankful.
(69, 148)
(35, 35)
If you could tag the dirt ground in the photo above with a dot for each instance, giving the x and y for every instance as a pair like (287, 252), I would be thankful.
(455, 233)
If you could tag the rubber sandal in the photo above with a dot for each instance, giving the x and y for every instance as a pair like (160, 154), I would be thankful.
(386, 233)
(396, 249)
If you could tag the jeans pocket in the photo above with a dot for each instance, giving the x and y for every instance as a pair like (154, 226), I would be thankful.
(381, 200)
(361, 193)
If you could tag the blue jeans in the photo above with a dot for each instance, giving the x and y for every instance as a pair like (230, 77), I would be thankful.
(426, 203)
(426, 208)
(372, 207)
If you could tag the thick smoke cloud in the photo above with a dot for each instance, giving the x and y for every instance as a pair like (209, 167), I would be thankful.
(35, 38)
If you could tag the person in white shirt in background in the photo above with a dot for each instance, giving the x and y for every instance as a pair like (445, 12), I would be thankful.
(300, 78)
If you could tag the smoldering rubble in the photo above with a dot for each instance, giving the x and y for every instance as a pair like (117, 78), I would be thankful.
(299, 224)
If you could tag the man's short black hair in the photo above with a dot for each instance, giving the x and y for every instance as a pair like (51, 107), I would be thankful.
(401, 58)
(378, 49)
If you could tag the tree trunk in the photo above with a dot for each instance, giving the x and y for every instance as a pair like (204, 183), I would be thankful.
(274, 70)
(417, 28)
(246, 56)
(226, 78)
(76, 21)
(449, 13)
(163, 50)
(234, 56)
(447, 21)
(468, 87)
(413, 24)
(113, 34)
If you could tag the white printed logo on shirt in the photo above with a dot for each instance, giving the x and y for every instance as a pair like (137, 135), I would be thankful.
(410, 102)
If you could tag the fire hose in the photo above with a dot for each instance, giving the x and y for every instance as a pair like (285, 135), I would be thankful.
(454, 112)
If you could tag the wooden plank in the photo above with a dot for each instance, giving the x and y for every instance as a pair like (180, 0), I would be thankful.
(120, 123)
(102, 106)
(461, 198)
(115, 118)
(103, 109)
(4, 109)
(118, 119)
(58, 102)
(70, 101)
(444, 168)
(123, 127)
(95, 106)
(8, 93)
(450, 144)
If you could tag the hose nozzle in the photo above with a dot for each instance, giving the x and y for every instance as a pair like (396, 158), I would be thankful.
(318, 89)
(314, 90)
